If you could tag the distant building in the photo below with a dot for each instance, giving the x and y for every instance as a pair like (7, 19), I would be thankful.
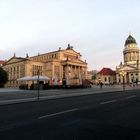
(129, 70)
(106, 76)
(61, 65)
(2, 63)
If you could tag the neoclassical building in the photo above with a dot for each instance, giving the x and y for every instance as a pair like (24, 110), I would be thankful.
(129, 70)
(61, 65)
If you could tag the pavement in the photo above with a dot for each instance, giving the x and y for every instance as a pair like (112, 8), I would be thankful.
(15, 95)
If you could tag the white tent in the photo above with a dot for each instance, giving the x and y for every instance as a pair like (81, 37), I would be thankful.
(26, 78)
(34, 78)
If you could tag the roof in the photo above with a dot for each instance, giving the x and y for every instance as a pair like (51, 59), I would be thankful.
(2, 62)
(130, 40)
(107, 71)
(17, 58)
(62, 50)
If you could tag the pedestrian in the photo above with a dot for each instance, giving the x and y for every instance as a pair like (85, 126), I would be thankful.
(101, 84)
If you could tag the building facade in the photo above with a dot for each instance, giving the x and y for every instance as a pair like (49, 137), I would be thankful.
(63, 64)
(129, 70)
(106, 76)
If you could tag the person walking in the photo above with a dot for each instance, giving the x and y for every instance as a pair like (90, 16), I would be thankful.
(101, 84)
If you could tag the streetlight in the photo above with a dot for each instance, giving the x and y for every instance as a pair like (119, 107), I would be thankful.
(38, 84)
(122, 73)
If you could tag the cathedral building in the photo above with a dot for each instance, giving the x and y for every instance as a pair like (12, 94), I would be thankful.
(129, 71)
(59, 65)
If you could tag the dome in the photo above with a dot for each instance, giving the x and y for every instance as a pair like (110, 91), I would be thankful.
(130, 40)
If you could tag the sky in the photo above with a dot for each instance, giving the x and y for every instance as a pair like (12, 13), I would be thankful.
(95, 28)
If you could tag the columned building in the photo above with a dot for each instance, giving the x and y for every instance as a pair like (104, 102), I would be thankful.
(61, 65)
(129, 70)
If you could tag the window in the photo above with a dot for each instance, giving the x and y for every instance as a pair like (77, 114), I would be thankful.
(55, 55)
(109, 79)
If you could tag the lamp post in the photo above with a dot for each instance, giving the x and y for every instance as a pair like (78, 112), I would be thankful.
(122, 73)
(38, 85)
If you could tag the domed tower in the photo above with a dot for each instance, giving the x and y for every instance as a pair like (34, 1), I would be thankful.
(131, 51)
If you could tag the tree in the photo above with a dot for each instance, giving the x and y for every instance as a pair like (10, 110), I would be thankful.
(94, 74)
(3, 77)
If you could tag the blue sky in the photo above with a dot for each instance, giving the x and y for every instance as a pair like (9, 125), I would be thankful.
(95, 28)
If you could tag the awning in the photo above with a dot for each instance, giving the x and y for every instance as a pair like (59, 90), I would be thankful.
(26, 78)
(33, 78)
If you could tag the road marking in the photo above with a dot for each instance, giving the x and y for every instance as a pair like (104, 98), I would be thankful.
(129, 97)
(58, 113)
(107, 102)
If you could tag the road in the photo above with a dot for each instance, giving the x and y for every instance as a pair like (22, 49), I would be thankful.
(111, 116)
(10, 96)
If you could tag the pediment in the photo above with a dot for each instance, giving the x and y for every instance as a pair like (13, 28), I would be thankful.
(127, 68)
(71, 51)
(74, 62)
(15, 60)
(78, 61)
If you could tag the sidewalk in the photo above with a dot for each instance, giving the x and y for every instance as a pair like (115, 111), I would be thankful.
(15, 95)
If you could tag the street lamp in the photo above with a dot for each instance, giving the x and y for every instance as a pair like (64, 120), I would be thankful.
(38, 84)
(122, 73)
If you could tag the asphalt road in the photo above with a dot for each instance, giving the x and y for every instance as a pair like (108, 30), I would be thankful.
(10, 96)
(104, 116)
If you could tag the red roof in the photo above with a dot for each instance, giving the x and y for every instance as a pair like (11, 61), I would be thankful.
(107, 71)
(2, 62)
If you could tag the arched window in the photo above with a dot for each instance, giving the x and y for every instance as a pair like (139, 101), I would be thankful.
(109, 79)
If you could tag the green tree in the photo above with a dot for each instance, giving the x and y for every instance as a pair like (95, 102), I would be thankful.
(3, 77)
(93, 77)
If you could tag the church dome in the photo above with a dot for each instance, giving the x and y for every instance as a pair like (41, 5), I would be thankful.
(130, 40)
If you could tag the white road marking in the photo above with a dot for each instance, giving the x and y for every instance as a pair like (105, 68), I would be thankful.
(107, 102)
(58, 113)
(129, 97)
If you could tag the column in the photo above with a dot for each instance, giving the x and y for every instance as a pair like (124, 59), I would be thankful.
(69, 72)
(67, 75)
(75, 70)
